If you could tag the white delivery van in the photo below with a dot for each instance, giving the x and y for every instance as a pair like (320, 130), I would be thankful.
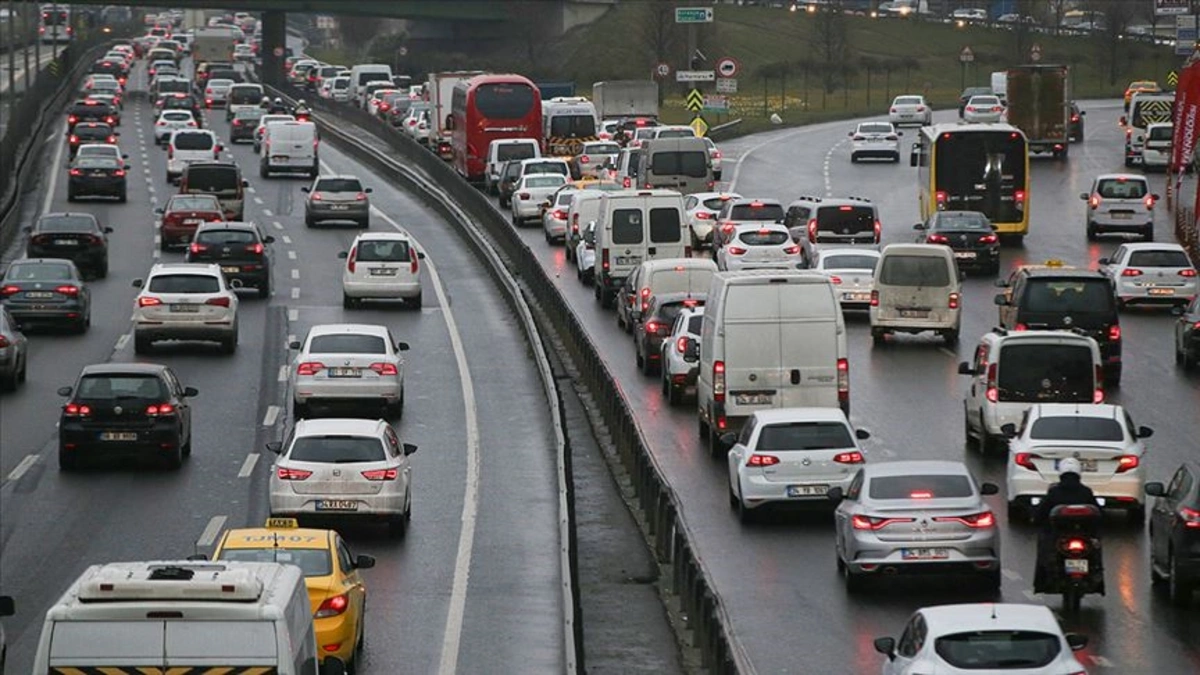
(660, 276)
(183, 616)
(770, 339)
(506, 150)
(363, 73)
(917, 288)
(1000, 85)
(289, 147)
(633, 227)
(681, 164)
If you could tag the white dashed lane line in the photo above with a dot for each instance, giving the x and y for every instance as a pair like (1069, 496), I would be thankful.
(258, 200)
(291, 255)
(277, 226)
(248, 465)
(295, 274)
(287, 239)
(22, 468)
(293, 315)
(209, 535)
(271, 415)
(295, 293)
(266, 212)
(283, 373)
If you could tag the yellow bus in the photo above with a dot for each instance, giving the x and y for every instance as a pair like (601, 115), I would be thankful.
(975, 167)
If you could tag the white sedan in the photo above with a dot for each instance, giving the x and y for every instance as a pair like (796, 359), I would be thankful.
(983, 109)
(348, 363)
(530, 193)
(910, 109)
(1151, 273)
(852, 271)
(1101, 436)
(879, 140)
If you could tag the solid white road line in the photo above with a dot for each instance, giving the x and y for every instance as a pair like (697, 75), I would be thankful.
(58, 152)
(209, 535)
(21, 469)
(248, 465)
(271, 415)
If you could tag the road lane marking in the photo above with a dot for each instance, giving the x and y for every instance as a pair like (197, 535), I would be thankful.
(283, 373)
(737, 169)
(287, 239)
(293, 314)
(1010, 574)
(121, 342)
(291, 338)
(1101, 661)
(22, 468)
(295, 274)
(271, 416)
(947, 352)
(277, 226)
(295, 293)
(248, 465)
(62, 141)
(291, 255)
(267, 212)
(209, 535)
(258, 200)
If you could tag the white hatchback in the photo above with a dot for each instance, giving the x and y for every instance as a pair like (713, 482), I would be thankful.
(343, 469)
(185, 301)
(190, 145)
(381, 265)
(759, 246)
(351, 363)
(170, 121)
(852, 271)
(702, 210)
(1148, 273)
(585, 253)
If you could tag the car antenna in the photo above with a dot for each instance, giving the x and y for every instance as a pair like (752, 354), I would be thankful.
(993, 611)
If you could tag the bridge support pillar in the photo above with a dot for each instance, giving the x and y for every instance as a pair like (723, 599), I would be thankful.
(274, 43)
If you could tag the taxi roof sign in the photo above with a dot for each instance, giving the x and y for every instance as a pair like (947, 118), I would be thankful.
(1055, 262)
(282, 524)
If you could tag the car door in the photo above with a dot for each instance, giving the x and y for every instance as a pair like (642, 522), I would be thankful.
(183, 404)
(975, 391)
(739, 451)
(845, 509)
(908, 647)
(1164, 515)
(1115, 263)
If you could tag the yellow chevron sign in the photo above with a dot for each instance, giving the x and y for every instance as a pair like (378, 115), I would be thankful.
(1172, 78)
(1156, 111)
(694, 100)
(154, 670)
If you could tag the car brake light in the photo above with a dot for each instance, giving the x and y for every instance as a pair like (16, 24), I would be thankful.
(993, 391)
(1019, 196)
(381, 474)
(719, 381)
(681, 345)
(558, 214)
(1131, 272)
(976, 521)
(762, 460)
(736, 250)
(317, 196)
(76, 410)
(217, 302)
(874, 298)
(351, 263)
(989, 239)
(197, 247)
(812, 230)
(856, 137)
(284, 473)
(970, 108)
(1075, 545)
(119, 173)
(160, 410)
(71, 119)
(237, 123)
(110, 119)
(385, 368)
(1114, 332)
(1187, 273)
(73, 139)
(67, 290)
(1020, 327)
(332, 606)
(1149, 201)
(843, 380)
(255, 248)
(703, 215)
(310, 368)
(937, 239)
(524, 196)
(1190, 517)
(953, 300)
(361, 197)
(75, 172)
(1098, 392)
(1127, 463)
(9, 290)
(873, 523)
(604, 259)
(1025, 460)
(148, 301)
(792, 250)
(852, 457)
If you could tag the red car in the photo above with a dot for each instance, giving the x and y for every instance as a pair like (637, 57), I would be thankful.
(183, 214)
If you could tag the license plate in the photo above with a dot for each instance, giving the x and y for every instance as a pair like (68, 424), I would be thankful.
(230, 269)
(807, 490)
(629, 259)
(856, 297)
(118, 436)
(383, 271)
(1122, 216)
(66, 242)
(279, 158)
(345, 372)
(925, 553)
(185, 309)
(339, 207)
(752, 399)
(192, 221)
(1161, 291)
(337, 505)
(1076, 565)
(98, 174)
(1085, 464)
(39, 294)
(914, 313)
(964, 255)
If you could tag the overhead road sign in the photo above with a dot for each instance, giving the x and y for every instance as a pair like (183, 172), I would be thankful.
(694, 100)
(695, 76)
(693, 14)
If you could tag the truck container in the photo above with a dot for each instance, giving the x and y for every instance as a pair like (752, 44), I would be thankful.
(213, 45)
(555, 89)
(1039, 104)
(625, 98)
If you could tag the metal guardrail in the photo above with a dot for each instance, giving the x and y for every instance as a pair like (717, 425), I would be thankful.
(670, 538)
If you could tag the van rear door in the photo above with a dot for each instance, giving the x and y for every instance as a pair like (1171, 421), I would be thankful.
(93, 646)
(237, 645)
(809, 338)
(753, 348)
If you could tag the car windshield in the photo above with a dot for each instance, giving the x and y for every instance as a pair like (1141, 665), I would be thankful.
(184, 283)
(347, 343)
(510, 151)
(337, 449)
(192, 141)
(908, 100)
(764, 237)
(546, 167)
(1161, 258)
(226, 237)
(1076, 428)
(849, 261)
(1033, 373)
(544, 181)
(975, 222)
(1120, 188)
(804, 436)
(998, 649)
(339, 185)
(875, 129)
(915, 271)
(66, 224)
(314, 562)
(383, 250)
(194, 203)
(38, 272)
(112, 387)
(1079, 295)
(935, 486)
(772, 213)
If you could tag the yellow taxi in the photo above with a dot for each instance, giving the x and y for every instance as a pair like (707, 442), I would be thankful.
(335, 588)
(1139, 86)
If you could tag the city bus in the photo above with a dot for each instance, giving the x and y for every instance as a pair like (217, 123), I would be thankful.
(487, 108)
(56, 24)
(975, 167)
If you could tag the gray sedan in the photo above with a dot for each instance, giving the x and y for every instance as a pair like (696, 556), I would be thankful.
(14, 353)
(46, 291)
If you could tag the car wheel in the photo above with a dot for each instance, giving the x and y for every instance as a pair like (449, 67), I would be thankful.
(348, 302)
(174, 459)
(187, 447)
(9, 383)
(141, 345)
(70, 195)
(701, 428)
(67, 461)
(674, 394)
(1148, 233)
(1178, 590)
(641, 363)
(414, 302)
(123, 197)
(1137, 516)
(950, 337)
(1091, 232)
(854, 582)
(1016, 513)
(853, 158)
(992, 580)
(162, 244)
(397, 526)
(264, 290)
(365, 223)
(229, 344)
(300, 410)
(102, 270)
(878, 337)
(309, 222)
(970, 440)
(1112, 376)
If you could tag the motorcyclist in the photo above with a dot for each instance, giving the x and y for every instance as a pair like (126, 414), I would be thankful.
(265, 103)
(302, 111)
(1069, 490)
(278, 107)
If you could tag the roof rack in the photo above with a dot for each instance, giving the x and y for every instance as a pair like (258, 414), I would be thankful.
(811, 198)
(859, 199)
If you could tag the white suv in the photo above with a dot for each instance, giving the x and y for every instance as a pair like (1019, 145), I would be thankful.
(381, 265)
(1120, 203)
(185, 301)
(351, 363)
(190, 145)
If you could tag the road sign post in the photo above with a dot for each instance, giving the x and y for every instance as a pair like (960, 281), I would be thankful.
(699, 126)
(727, 85)
(964, 57)
(1185, 34)
(695, 76)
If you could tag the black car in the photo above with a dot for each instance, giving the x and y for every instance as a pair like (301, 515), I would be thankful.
(654, 326)
(1187, 335)
(510, 175)
(117, 69)
(969, 234)
(1175, 533)
(77, 237)
(968, 93)
(88, 110)
(125, 408)
(89, 132)
(241, 251)
(1075, 130)
(46, 291)
(177, 101)
(96, 177)
(245, 121)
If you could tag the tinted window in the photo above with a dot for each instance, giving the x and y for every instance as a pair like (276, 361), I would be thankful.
(849, 262)
(627, 226)
(1159, 259)
(339, 185)
(572, 126)
(1077, 428)
(337, 449)
(998, 650)
(601, 148)
(195, 203)
(1111, 188)
(178, 116)
(174, 86)
(226, 237)
(764, 237)
(97, 163)
(544, 181)
(347, 344)
(908, 100)
(92, 133)
(1036, 373)
(110, 387)
(510, 151)
(963, 221)
(382, 250)
(920, 487)
(546, 167)
(1160, 133)
(715, 203)
(875, 129)
(38, 272)
(666, 313)
(212, 179)
(804, 436)
(1068, 295)
(675, 133)
(856, 219)
(314, 562)
(981, 171)
(665, 226)
(504, 101)
(914, 270)
(66, 224)
(184, 283)
(768, 212)
(693, 164)
(192, 141)
(241, 95)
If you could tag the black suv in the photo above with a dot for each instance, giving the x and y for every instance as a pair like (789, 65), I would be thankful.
(90, 110)
(77, 237)
(125, 408)
(241, 251)
(1056, 297)
(1175, 533)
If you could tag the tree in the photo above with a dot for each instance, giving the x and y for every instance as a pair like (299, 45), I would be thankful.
(529, 23)
(1111, 50)
(656, 30)
(357, 30)
(832, 43)
(1059, 9)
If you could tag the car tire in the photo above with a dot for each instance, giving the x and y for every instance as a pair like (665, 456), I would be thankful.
(674, 394)
(1148, 233)
(991, 580)
(968, 438)
(414, 302)
(67, 461)
(102, 270)
(141, 345)
(989, 444)
(1178, 590)
(264, 290)
(853, 582)
(300, 411)
(1137, 516)
(641, 362)
(745, 516)
(853, 158)
(364, 224)
(263, 172)
(229, 344)
(950, 337)
(187, 447)
(397, 526)
(162, 244)
(396, 409)
(1112, 377)
(174, 460)
(71, 195)
(878, 337)
(9, 383)
(123, 197)
(1091, 232)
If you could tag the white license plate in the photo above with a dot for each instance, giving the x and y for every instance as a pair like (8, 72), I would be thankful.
(230, 269)
(752, 399)
(337, 505)
(383, 271)
(38, 294)
(118, 436)
(914, 313)
(66, 242)
(629, 260)
(925, 553)
(339, 207)
(192, 221)
(345, 372)
(279, 158)
(807, 490)
(856, 297)
(1075, 565)
(965, 255)
(1161, 291)
(1085, 464)
(1122, 216)
(185, 309)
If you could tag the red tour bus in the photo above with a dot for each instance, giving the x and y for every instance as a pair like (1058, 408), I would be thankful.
(490, 107)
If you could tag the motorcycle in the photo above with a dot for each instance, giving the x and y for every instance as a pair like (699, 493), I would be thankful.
(1075, 566)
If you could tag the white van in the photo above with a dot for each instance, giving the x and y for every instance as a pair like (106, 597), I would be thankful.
(917, 288)
(770, 339)
(681, 164)
(659, 276)
(633, 227)
(363, 73)
(290, 147)
(184, 616)
(1156, 150)
(506, 150)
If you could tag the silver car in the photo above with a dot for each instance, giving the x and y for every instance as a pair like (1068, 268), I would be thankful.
(1151, 273)
(529, 194)
(915, 516)
(14, 353)
(852, 271)
(554, 217)
(680, 359)
(337, 198)
(349, 363)
(343, 469)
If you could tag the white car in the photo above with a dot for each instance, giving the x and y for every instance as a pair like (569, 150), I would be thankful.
(261, 129)
(1152, 274)
(348, 469)
(185, 301)
(702, 209)
(339, 88)
(1120, 203)
(852, 271)
(585, 253)
(983, 109)
(679, 360)
(352, 363)
(382, 265)
(1156, 149)
(910, 109)
(243, 52)
(792, 456)
(216, 92)
(759, 246)
(595, 157)
(982, 638)
(529, 194)
(880, 140)
(170, 121)
(554, 216)
(185, 146)
(1102, 437)
(714, 153)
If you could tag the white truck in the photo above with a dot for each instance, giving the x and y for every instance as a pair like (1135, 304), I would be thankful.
(213, 45)
(439, 88)
(625, 98)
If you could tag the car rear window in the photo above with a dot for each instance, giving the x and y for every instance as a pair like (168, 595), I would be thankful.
(1034, 373)
(998, 649)
(1076, 428)
(510, 151)
(184, 283)
(665, 226)
(767, 212)
(97, 162)
(675, 133)
(339, 185)
(183, 141)
(111, 387)
(601, 149)
(212, 178)
(1078, 295)
(226, 237)
(347, 344)
(764, 237)
(337, 449)
(667, 312)
(693, 164)
(1113, 188)
(177, 116)
(627, 226)
(963, 221)
(383, 250)
(875, 129)
(92, 133)
(846, 219)
(66, 224)
(544, 181)
(1159, 259)
(314, 562)
(546, 167)
(564, 198)
(908, 100)
(194, 203)
(715, 203)
(804, 436)
(914, 270)
(849, 262)
(38, 272)
(1160, 133)
(936, 486)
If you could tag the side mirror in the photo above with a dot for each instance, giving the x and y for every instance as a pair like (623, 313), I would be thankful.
(219, 147)
(965, 368)
(1104, 261)
(137, 283)
(1083, 196)
(409, 448)
(851, 134)
(1000, 299)
(64, 391)
(1155, 489)
(305, 189)
(364, 562)
(401, 346)
(294, 344)
(1144, 432)
(835, 494)
(367, 190)
(886, 646)
(862, 434)
(189, 392)
(124, 156)
(1076, 641)
(420, 255)
(729, 439)
(160, 210)
(899, 133)
(1000, 283)
(989, 489)
(108, 230)
(268, 239)
(275, 447)
(1009, 430)
(919, 226)
(343, 254)
(245, 183)
(1155, 197)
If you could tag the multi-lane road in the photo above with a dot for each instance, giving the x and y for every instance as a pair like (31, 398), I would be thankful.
(475, 585)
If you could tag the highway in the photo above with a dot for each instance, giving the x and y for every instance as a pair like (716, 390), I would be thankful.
(475, 584)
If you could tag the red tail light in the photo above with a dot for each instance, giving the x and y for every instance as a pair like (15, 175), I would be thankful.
(843, 380)
(874, 298)
(148, 301)
(523, 196)
(1075, 545)
(1148, 201)
(762, 460)
(604, 259)
(1131, 272)
(681, 345)
(792, 250)
(72, 291)
(237, 123)
(993, 391)
(719, 381)
(119, 173)
(1098, 393)
(872, 523)
(72, 119)
(703, 215)
(937, 239)
(9, 290)
(953, 300)
(76, 410)
(197, 247)
(361, 197)
(1025, 460)
(835, 280)
(112, 140)
(385, 368)
(4, 341)
(976, 521)
(332, 606)
(310, 368)
(626, 182)
(414, 266)
(1127, 463)
(217, 302)
(284, 473)
(1114, 332)
(75, 172)
(812, 230)
(584, 159)
(316, 196)
(381, 474)
(1020, 327)
(736, 250)
(942, 197)
(73, 139)
(852, 457)
(970, 108)
(351, 260)
(1187, 273)
(1190, 517)
(110, 119)
(160, 410)
(257, 249)
(989, 239)
(1019, 196)
(558, 214)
